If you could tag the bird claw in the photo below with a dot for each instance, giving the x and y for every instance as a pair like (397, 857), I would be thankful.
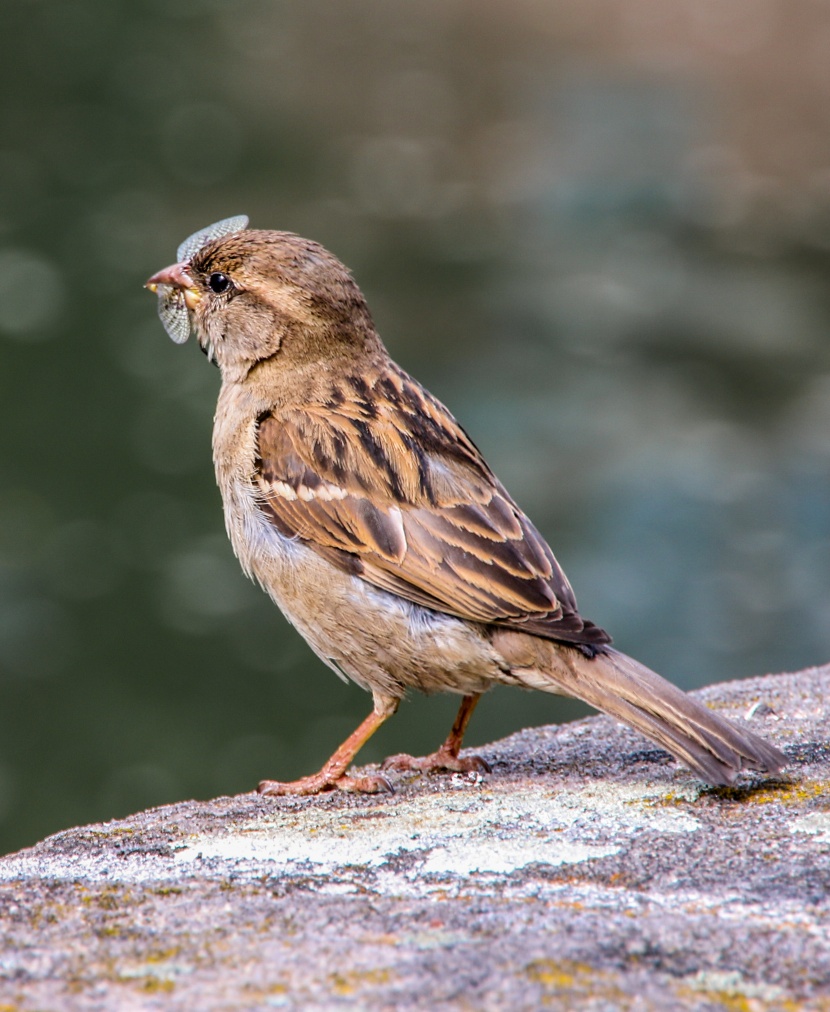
(319, 782)
(439, 762)
(371, 784)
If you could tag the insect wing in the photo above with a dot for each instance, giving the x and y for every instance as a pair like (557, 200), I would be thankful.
(173, 313)
(193, 243)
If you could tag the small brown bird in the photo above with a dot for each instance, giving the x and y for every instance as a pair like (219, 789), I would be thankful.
(369, 516)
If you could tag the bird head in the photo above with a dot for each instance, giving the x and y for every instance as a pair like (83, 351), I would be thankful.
(252, 295)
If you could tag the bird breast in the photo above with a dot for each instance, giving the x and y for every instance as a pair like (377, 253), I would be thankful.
(376, 638)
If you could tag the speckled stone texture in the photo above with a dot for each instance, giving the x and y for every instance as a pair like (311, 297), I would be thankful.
(587, 872)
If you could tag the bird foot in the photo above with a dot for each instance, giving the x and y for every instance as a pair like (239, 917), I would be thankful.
(320, 782)
(442, 761)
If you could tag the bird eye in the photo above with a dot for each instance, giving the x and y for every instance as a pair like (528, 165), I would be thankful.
(219, 282)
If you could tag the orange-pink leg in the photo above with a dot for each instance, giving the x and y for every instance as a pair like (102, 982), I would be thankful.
(446, 759)
(333, 774)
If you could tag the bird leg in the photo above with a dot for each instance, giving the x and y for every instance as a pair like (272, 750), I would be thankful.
(446, 759)
(333, 774)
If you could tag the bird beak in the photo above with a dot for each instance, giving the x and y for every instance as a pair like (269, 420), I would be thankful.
(177, 277)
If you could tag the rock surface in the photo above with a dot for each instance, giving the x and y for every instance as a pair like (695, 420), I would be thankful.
(588, 871)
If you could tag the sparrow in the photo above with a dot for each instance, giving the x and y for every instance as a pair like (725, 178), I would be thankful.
(369, 516)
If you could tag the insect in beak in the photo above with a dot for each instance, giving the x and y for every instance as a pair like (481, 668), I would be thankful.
(178, 297)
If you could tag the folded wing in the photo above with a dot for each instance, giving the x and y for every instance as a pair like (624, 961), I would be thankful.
(383, 481)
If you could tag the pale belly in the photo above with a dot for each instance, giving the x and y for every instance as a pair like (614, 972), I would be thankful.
(382, 642)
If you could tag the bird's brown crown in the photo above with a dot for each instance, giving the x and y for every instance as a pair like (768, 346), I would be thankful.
(265, 292)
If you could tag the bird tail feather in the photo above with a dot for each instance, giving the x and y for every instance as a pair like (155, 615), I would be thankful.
(715, 748)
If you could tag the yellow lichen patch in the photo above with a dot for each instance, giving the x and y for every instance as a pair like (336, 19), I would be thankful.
(671, 798)
(576, 983)
(261, 995)
(568, 905)
(108, 834)
(563, 974)
(154, 984)
(784, 792)
(157, 971)
(109, 898)
(731, 1002)
(734, 1002)
(344, 984)
(162, 955)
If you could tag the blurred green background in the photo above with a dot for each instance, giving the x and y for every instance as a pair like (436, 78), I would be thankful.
(600, 231)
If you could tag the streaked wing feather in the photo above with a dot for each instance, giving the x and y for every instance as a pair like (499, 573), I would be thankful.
(391, 488)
